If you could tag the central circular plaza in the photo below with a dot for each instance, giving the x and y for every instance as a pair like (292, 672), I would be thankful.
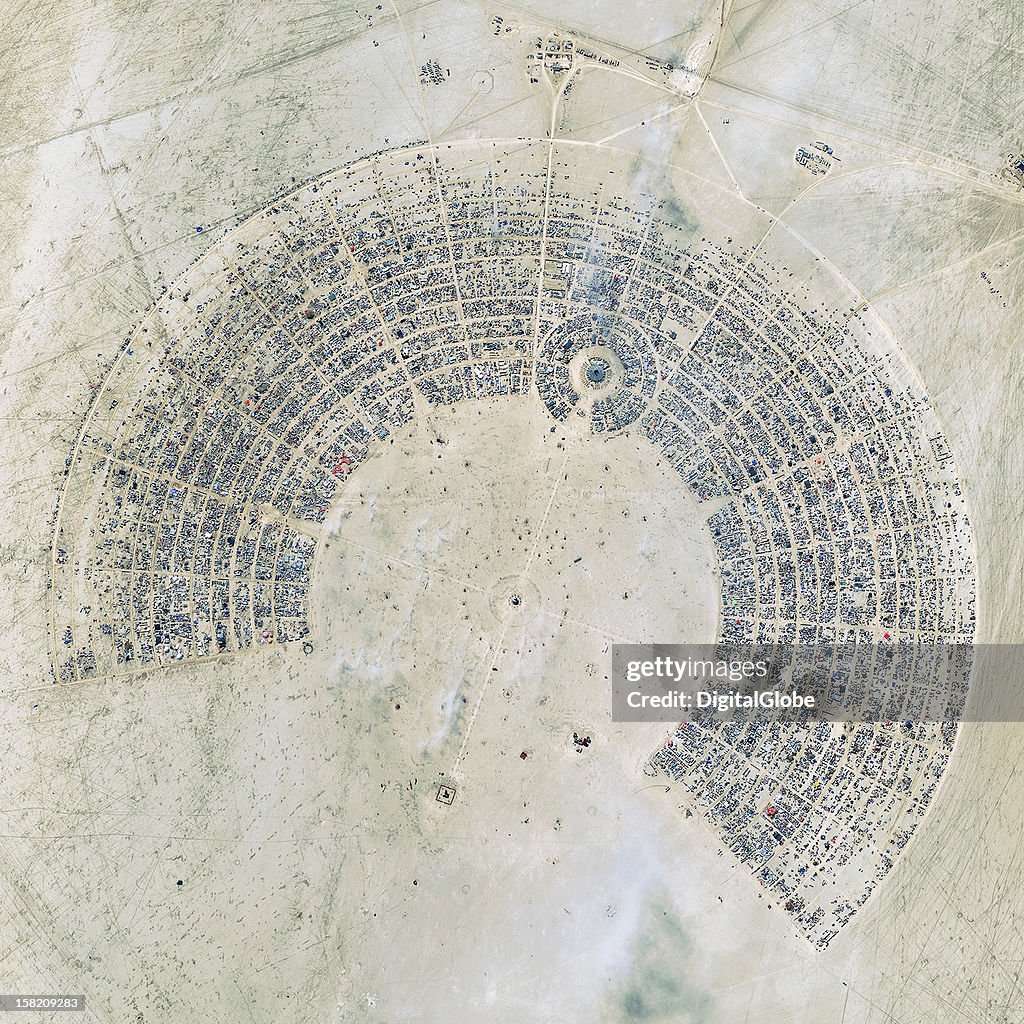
(596, 371)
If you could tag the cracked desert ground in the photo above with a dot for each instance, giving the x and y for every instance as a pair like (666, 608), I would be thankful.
(369, 371)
